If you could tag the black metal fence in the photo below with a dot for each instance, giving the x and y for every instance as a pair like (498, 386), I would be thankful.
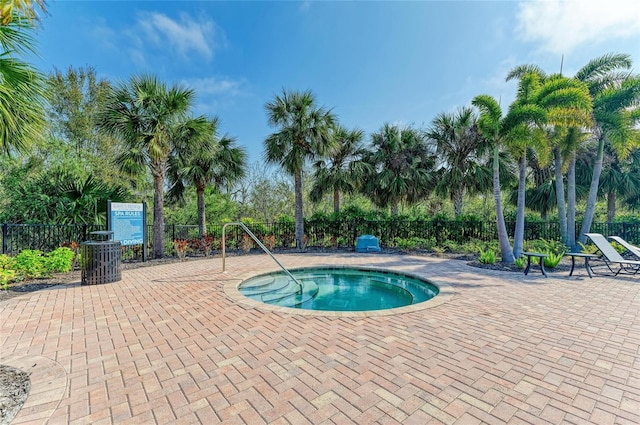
(319, 233)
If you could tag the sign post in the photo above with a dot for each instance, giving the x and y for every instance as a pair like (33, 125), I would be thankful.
(128, 224)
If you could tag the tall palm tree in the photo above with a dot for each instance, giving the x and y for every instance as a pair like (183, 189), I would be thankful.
(497, 128)
(22, 89)
(615, 96)
(526, 134)
(203, 159)
(561, 103)
(147, 117)
(569, 146)
(569, 110)
(460, 149)
(304, 133)
(342, 170)
(401, 167)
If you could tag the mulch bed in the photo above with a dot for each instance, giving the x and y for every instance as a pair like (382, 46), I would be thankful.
(14, 389)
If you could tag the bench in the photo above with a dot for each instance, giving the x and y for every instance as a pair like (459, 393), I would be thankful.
(541, 258)
(586, 257)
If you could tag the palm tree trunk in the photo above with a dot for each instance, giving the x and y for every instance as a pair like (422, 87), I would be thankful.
(158, 214)
(299, 215)
(571, 204)
(394, 208)
(457, 202)
(518, 237)
(562, 212)
(503, 238)
(336, 201)
(202, 219)
(593, 190)
(611, 206)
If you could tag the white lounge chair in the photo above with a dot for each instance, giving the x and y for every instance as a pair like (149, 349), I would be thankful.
(631, 248)
(612, 259)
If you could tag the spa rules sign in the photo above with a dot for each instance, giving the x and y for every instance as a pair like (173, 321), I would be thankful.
(127, 222)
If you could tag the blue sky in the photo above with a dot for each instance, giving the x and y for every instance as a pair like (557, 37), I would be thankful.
(371, 62)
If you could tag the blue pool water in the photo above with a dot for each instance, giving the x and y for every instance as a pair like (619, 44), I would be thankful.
(338, 289)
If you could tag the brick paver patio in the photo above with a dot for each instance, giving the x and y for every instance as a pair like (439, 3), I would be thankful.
(176, 344)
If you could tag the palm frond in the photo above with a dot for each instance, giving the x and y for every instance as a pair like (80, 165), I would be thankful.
(521, 70)
(603, 65)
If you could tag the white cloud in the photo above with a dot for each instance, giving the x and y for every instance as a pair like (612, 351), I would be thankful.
(155, 32)
(563, 25)
(215, 86)
(215, 94)
(183, 35)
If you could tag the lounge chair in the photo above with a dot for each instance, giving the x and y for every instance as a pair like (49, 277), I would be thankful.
(631, 248)
(611, 257)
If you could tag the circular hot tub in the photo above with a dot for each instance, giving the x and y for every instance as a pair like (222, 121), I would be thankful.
(338, 289)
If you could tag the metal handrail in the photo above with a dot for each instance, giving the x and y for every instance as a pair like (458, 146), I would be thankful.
(260, 244)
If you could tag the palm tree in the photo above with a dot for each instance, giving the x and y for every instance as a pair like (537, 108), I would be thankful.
(526, 134)
(568, 148)
(460, 149)
(342, 170)
(615, 96)
(559, 103)
(569, 112)
(84, 200)
(203, 160)
(401, 167)
(496, 128)
(632, 199)
(620, 178)
(22, 90)
(147, 117)
(12, 10)
(304, 133)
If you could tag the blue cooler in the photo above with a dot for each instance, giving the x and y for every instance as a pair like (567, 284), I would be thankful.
(367, 243)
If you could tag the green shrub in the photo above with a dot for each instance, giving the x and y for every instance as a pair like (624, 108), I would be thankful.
(405, 244)
(452, 246)
(59, 260)
(619, 248)
(519, 262)
(476, 245)
(427, 243)
(415, 243)
(7, 270)
(588, 248)
(546, 246)
(342, 241)
(553, 259)
(30, 263)
(487, 257)
(439, 249)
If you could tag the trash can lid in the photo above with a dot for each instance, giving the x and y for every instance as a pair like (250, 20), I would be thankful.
(107, 233)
